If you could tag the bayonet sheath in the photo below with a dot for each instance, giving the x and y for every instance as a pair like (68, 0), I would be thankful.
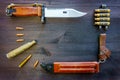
(72, 67)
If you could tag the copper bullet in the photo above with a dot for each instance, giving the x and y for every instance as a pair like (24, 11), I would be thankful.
(19, 28)
(19, 40)
(35, 64)
(20, 35)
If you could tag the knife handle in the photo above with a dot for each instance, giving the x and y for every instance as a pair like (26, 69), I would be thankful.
(23, 10)
(27, 11)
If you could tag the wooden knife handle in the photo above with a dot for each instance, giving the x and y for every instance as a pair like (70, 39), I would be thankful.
(27, 11)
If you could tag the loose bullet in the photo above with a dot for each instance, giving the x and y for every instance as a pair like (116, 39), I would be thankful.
(20, 35)
(19, 40)
(35, 64)
(24, 61)
(19, 28)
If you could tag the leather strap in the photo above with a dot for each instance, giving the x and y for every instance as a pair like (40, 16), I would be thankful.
(104, 51)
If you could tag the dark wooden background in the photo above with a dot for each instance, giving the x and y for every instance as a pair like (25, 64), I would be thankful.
(67, 40)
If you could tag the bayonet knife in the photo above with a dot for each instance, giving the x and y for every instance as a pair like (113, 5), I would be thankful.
(42, 11)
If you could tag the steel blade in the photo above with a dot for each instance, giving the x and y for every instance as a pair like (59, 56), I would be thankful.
(61, 13)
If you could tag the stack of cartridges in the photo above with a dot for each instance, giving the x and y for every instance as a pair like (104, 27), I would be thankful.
(102, 17)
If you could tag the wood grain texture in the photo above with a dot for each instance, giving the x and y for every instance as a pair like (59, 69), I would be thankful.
(67, 40)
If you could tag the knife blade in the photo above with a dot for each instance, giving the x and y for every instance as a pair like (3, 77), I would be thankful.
(62, 13)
